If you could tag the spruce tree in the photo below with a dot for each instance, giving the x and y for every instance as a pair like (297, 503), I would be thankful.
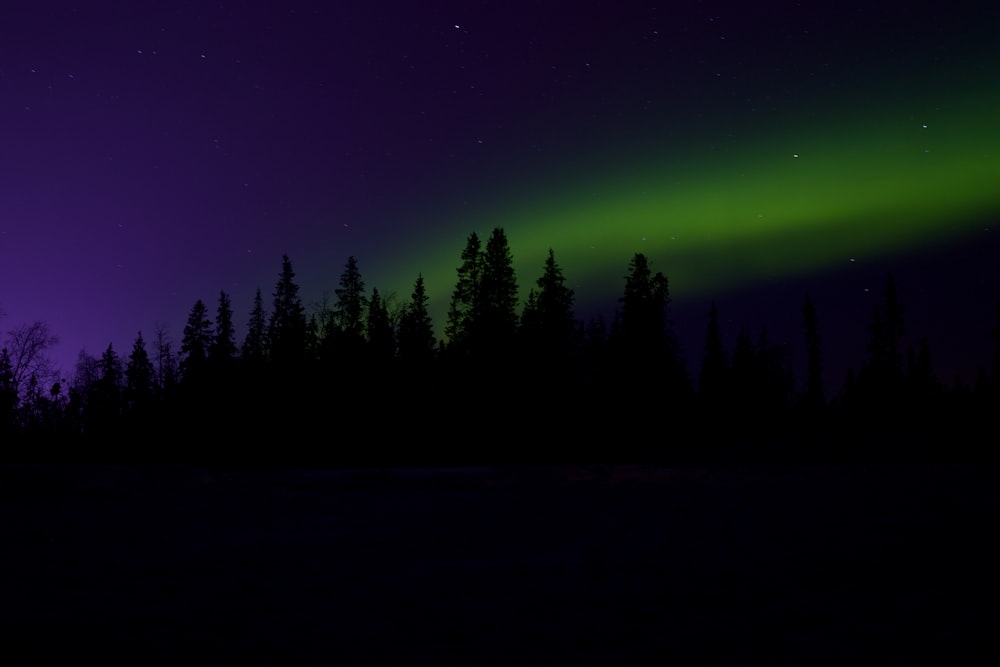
(167, 367)
(139, 378)
(496, 322)
(195, 344)
(352, 303)
(416, 329)
(381, 337)
(222, 351)
(548, 318)
(530, 327)
(106, 401)
(644, 322)
(647, 363)
(464, 305)
(254, 348)
(286, 329)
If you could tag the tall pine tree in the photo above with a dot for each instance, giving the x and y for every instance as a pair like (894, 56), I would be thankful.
(139, 380)
(416, 329)
(548, 323)
(286, 331)
(222, 351)
(381, 337)
(195, 344)
(253, 352)
(495, 326)
(352, 303)
(463, 310)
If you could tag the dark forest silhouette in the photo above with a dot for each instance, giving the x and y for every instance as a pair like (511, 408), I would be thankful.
(357, 381)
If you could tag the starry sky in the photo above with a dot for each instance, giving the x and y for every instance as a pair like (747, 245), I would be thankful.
(153, 154)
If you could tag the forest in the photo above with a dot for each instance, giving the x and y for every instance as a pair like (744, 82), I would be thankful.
(355, 383)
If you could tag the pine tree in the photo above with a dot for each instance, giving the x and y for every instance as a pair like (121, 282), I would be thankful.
(106, 404)
(139, 378)
(644, 322)
(496, 324)
(287, 327)
(463, 310)
(530, 328)
(416, 329)
(195, 343)
(222, 351)
(167, 367)
(646, 359)
(548, 320)
(381, 338)
(352, 303)
(254, 349)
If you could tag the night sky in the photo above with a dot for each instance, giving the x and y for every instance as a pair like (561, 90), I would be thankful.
(153, 154)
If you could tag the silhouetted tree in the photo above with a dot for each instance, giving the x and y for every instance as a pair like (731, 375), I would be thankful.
(646, 351)
(548, 323)
(28, 346)
(381, 337)
(253, 352)
(313, 337)
(167, 366)
(222, 351)
(139, 380)
(463, 310)
(40, 409)
(531, 325)
(287, 327)
(416, 330)
(104, 402)
(195, 344)
(644, 308)
(8, 397)
(496, 324)
(352, 303)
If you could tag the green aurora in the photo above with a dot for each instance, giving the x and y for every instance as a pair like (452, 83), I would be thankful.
(721, 213)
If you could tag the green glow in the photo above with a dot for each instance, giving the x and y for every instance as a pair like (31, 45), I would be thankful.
(786, 202)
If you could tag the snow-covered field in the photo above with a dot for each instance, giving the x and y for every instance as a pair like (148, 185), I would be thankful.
(568, 565)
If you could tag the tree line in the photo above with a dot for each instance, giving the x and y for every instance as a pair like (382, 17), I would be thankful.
(358, 380)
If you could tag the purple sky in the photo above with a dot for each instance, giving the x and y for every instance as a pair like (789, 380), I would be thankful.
(153, 154)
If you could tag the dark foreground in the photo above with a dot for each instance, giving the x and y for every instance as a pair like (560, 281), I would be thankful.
(620, 565)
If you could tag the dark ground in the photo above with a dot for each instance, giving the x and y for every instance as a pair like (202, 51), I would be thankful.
(572, 565)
